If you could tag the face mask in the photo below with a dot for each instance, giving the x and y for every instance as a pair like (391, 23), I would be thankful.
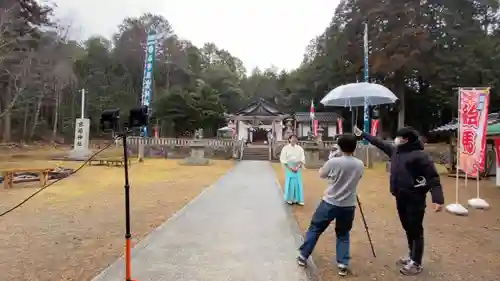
(398, 141)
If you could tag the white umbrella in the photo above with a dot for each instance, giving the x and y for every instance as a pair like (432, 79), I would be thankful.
(225, 129)
(354, 94)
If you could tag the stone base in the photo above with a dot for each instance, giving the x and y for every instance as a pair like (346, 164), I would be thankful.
(79, 155)
(191, 161)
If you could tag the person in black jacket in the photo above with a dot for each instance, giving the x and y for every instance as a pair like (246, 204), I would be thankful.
(412, 175)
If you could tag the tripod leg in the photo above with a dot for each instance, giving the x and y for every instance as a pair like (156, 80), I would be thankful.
(128, 258)
(366, 227)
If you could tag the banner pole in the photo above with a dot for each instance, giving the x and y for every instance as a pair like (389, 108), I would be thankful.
(477, 184)
(459, 125)
(366, 109)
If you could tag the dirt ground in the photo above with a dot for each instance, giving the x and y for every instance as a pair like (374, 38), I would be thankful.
(457, 248)
(75, 228)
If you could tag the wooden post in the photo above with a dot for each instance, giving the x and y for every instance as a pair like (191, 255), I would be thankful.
(44, 177)
(8, 178)
(451, 153)
(237, 129)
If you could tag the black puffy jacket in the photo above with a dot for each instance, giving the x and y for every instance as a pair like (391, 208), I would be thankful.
(413, 172)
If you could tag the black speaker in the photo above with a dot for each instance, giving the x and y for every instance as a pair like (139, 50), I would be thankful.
(138, 117)
(110, 120)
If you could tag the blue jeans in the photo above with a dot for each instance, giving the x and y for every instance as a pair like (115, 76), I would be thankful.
(324, 215)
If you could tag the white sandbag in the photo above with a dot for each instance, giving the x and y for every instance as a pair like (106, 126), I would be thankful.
(457, 209)
(478, 203)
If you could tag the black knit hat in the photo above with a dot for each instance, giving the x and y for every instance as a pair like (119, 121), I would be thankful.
(407, 133)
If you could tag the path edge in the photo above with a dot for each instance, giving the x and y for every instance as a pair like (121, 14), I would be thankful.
(141, 244)
(311, 270)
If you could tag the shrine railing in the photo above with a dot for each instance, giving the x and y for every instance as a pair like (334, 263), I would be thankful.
(323, 144)
(177, 142)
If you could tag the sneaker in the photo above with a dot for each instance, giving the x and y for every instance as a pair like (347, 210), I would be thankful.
(403, 261)
(411, 269)
(301, 203)
(289, 202)
(343, 270)
(301, 261)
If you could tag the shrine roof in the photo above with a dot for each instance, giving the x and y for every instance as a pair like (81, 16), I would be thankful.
(493, 118)
(260, 107)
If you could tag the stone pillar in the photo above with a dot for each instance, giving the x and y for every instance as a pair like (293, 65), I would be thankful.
(319, 138)
(370, 154)
(236, 146)
(81, 149)
(279, 130)
(289, 130)
(311, 151)
(140, 152)
(366, 154)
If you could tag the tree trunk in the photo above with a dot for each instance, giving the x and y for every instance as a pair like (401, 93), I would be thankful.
(7, 116)
(73, 111)
(56, 115)
(37, 114)
(25, 122)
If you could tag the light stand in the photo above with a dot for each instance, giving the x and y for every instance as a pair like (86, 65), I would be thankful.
(110, 122)
(128, 234)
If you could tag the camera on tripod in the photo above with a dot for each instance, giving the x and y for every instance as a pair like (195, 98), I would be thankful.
(110, 120)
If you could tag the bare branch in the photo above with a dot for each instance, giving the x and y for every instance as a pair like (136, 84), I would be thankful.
(18, 82)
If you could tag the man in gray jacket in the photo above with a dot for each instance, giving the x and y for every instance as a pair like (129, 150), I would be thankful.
(339, 202)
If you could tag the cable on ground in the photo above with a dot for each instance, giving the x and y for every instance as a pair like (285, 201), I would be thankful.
(56, 181)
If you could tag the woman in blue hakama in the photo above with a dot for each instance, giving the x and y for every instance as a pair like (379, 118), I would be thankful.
(293, 159)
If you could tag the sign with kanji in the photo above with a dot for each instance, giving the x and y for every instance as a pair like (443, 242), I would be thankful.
(81, 134)
(473, 115)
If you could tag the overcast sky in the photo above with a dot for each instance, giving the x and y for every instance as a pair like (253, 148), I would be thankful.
(260, 32)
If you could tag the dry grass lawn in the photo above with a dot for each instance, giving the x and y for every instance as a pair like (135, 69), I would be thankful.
(75, 228)
(457, 248)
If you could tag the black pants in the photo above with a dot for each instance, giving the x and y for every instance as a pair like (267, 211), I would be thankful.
(411, 213)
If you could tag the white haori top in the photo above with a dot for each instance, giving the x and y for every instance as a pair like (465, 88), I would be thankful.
(292, 153)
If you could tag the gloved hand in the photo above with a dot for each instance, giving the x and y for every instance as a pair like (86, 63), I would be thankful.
(357, 132)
